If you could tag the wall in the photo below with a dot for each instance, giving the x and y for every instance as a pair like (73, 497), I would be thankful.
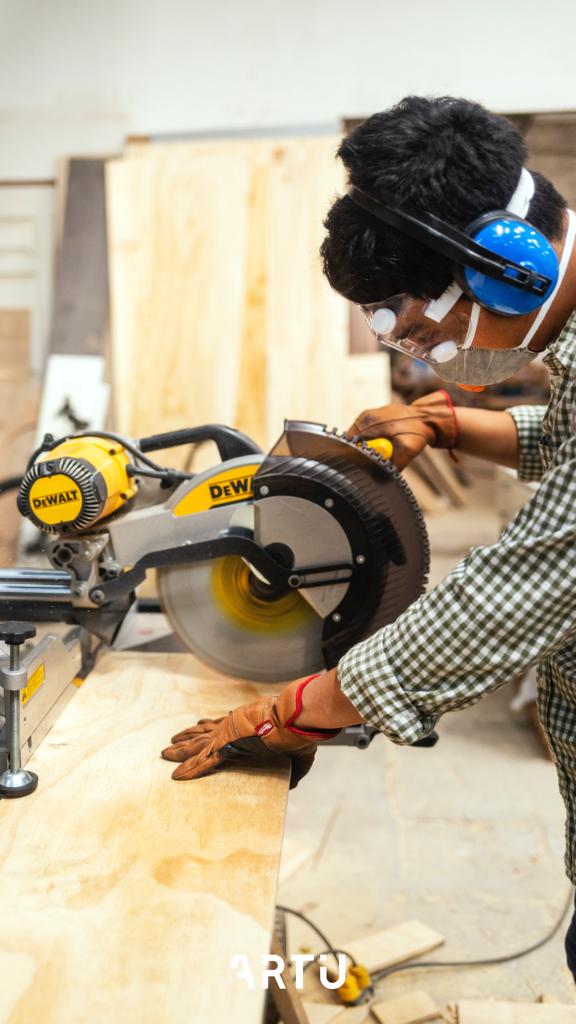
(77, 76)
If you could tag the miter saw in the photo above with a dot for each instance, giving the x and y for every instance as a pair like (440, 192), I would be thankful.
(269, 565)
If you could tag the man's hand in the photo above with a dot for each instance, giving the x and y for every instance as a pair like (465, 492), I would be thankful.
(429, 420)
(271, 725)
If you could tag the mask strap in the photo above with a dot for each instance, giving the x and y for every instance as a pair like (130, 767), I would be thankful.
(472, 325)
(566, 254)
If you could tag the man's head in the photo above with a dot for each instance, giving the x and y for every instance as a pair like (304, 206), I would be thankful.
(445, 156)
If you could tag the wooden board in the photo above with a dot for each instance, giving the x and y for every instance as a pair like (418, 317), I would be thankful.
(124, 895)
(14, 344)
(321, 1013)
(412, 1008)
(177, 256)
(394, 945)
(80, 311)
(307, 322)
(514, 1013)
(248, 409)
(220, 310)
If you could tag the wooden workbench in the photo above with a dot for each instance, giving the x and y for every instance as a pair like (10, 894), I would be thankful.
(123, 894)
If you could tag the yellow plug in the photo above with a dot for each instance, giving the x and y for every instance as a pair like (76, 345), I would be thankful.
(382, 446)
(354, 989)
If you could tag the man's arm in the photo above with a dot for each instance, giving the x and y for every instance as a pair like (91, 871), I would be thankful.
(507, 438)
(503, 608)
(488, 435)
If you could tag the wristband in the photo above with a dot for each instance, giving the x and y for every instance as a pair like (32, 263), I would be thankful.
(319, 734)
(450, 404)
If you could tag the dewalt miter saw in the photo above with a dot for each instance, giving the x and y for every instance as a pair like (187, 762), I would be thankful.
(269, 566)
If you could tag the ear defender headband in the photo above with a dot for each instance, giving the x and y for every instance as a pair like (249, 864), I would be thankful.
(500, 261)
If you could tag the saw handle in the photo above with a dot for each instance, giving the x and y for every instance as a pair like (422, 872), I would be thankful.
(382, 446)
(231, 443)
(361, 736)
(427, 741)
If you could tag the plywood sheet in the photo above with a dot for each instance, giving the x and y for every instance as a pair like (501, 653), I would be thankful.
(124, 894)
(308, 322)
(250, 409)
(177, 255)
(514, 1013)
(275, 333)
(394, 945)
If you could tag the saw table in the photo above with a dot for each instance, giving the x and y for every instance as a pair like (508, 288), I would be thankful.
(123, 894)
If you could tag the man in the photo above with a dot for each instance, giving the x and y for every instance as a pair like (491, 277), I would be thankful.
(476, 307)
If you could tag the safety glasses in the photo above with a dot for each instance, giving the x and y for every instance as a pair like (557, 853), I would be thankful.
(431, 330)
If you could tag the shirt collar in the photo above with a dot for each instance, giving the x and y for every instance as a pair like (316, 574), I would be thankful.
(561, 354)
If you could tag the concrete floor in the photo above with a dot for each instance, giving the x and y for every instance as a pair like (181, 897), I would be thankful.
(467, 837)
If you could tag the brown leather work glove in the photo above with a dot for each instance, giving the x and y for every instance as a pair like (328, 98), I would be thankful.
(263, 727)
(429, 420)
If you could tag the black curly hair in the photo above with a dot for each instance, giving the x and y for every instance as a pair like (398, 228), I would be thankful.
(441, 155)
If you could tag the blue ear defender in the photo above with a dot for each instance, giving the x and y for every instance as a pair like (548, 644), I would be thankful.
(501, 261)
(512, 238)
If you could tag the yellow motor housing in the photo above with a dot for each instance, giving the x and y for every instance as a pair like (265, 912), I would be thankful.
(73, 486)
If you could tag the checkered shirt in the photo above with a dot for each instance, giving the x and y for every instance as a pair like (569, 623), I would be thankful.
(505, 607)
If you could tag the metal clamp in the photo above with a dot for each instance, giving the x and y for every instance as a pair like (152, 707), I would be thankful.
(15, 781)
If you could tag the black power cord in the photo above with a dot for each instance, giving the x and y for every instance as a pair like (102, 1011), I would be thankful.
(10, 483)
(488, 961)
(329, 948)
(431, 964)
(108, 435)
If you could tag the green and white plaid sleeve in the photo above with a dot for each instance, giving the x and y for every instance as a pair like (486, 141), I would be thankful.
(528, 420)
(503, 608)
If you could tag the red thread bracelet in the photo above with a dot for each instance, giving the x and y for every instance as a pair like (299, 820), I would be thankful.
(299, 692)
(450, 404)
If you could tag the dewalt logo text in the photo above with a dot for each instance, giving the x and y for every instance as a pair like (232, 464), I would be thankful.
(61, 498)
(224, 488)
(228, 490)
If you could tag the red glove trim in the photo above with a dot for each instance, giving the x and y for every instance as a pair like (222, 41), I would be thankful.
(299, 692)
(450, 403)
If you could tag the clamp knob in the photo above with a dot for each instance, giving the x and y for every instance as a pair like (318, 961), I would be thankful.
(16, 633)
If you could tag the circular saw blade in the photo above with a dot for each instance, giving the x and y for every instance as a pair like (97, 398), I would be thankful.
(217, 613)
(381, 518)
